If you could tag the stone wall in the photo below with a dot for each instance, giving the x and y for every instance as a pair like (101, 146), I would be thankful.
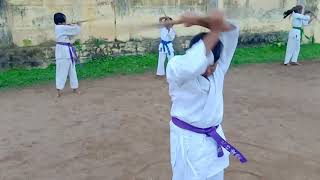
(30, 21)
(26, 57)
(43, 55)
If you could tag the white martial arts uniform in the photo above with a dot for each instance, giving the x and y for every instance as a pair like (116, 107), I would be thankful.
(165, 35)
(294, 39)
(64, 65)
(199, 102)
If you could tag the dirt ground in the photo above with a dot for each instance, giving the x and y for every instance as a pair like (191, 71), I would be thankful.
(118, 128)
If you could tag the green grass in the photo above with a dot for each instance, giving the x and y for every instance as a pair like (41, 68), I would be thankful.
(271, 54)
(138, 64)
(116, 66)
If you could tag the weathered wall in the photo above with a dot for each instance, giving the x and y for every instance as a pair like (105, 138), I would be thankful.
(5, 34)
(30, 21)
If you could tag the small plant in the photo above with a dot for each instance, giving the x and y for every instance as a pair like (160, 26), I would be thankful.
(96, 41)
(27, 42)
(279, 44)
(77, 44)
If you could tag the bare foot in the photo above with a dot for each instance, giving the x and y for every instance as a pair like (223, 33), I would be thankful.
(59, 93)
(77, 91)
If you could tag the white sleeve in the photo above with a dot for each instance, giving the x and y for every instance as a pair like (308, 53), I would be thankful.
(188, 66)
(172, 34)
(306, 22)
(71, 30)
(301, 16)
(230, 41)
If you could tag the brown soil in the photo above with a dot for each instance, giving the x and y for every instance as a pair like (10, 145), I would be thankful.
(118, 128)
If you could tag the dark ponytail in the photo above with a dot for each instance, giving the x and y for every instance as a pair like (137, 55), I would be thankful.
(296, 9)
(287, 13)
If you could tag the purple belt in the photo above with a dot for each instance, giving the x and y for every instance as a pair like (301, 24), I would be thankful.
(72, 51)
(211, 132)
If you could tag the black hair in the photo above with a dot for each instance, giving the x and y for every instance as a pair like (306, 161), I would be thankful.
(167, 18)
(59, 18)
(217, 50)
(296, 9)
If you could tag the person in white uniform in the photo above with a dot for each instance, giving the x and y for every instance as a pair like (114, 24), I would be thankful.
(296, 33)
(65, 54)
(167, 35)
(196, 89)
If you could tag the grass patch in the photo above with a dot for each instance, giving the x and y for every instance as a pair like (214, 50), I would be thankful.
(138, 64)
(271, 54)
(117, 66)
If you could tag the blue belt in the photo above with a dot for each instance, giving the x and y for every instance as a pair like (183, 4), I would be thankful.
(72, 51)
(165, 45)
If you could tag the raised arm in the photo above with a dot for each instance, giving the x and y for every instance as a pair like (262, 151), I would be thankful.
(311, 15)
(195, 62)
(229, 40)
(71, 30)
(307, 22)
(300, 16)
(180, 69)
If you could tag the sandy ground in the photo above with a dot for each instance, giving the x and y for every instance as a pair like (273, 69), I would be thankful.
(118, 128)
